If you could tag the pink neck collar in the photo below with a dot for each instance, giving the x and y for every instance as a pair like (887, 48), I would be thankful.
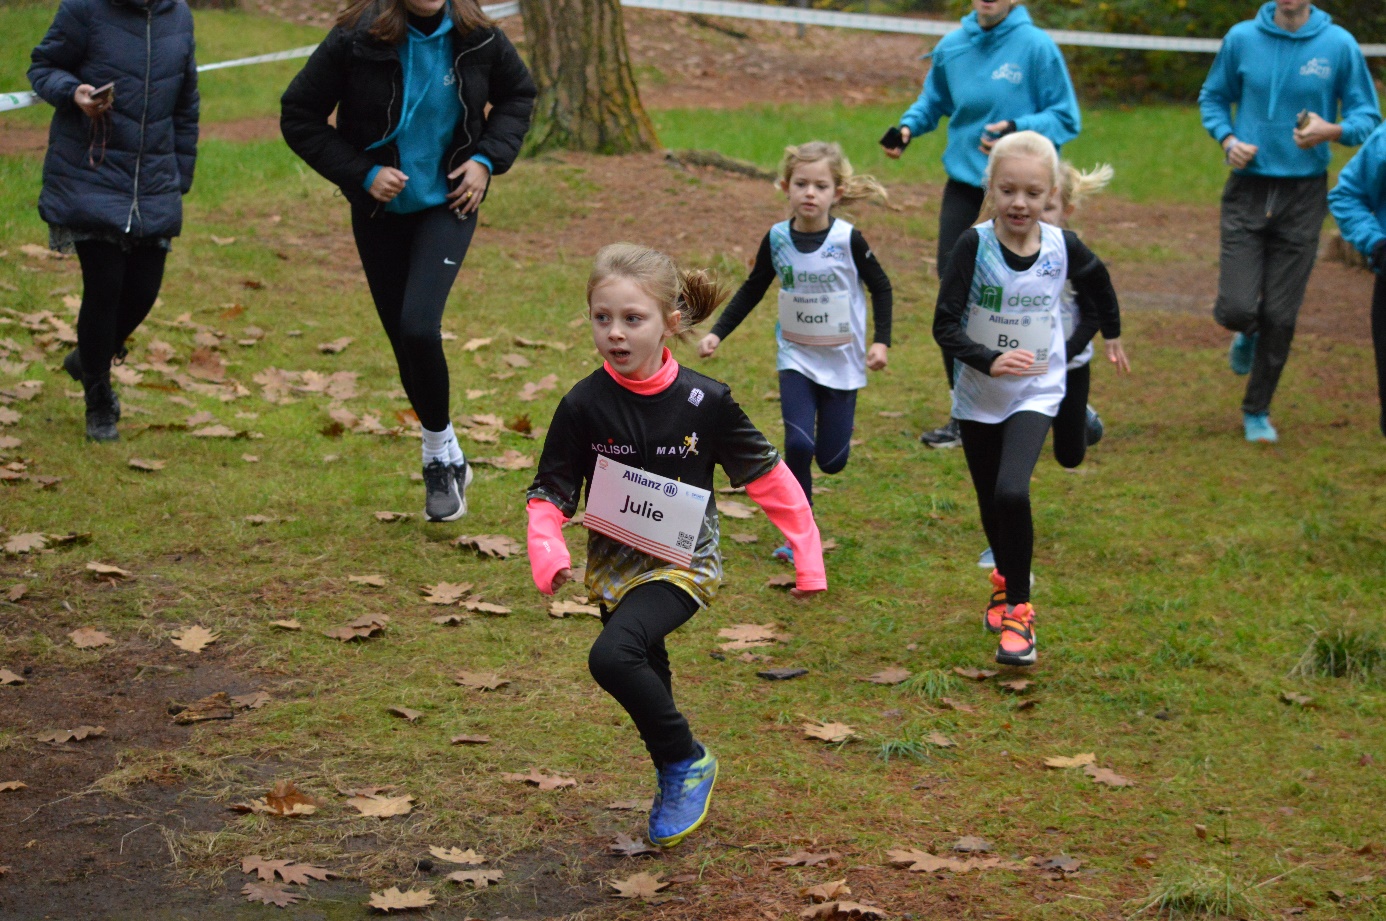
(655, 383)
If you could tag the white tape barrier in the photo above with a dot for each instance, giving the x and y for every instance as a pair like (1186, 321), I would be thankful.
(899, 24)
(10, 101)
(737, 10)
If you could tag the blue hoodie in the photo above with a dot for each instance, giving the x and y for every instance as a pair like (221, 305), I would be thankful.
(428, 118)
(1271, 75)
(1358, 202)
(1010, 72)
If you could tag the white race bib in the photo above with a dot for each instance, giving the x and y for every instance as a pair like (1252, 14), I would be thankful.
(655, 515)
(816, 319)
(1033, 332)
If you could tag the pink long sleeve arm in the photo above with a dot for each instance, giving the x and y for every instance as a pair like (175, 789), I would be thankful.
(548, 552)
(785, 504)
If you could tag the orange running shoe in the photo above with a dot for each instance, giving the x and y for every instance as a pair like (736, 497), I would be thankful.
(996, 607)
(1017, 646)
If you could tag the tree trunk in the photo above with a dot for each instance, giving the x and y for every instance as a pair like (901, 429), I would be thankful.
(587, 94)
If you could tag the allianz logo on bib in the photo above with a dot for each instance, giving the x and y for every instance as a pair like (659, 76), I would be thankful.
(1010, 73)
(1317, 67)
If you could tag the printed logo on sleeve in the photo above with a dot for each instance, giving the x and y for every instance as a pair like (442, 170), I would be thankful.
(695, 396)
(1317, 67)
(1011, 73)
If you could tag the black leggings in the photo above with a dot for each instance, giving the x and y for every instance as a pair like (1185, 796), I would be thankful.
(118, 290)
(1001, 458)
(817, 421)
(1379, 343)
(631, 664)
(962, 203)
(1071, 424)
(411, 261)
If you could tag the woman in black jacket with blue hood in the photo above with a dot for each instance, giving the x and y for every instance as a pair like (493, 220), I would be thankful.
(414, 149)
(122, 80)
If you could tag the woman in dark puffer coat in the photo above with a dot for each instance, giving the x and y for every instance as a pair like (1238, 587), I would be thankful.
(117, 168)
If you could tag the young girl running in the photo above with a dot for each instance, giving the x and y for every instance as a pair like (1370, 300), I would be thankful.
(641, 435)
(999, 314)
(1077, 426)
(821, 262)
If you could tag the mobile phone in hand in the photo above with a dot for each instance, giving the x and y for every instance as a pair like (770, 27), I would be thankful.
(103, 93)
(893, 139)
(1302, 120)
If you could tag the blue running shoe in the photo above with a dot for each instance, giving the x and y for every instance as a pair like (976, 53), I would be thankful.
(685, 789)
(1242, 353)
(1095, 428)
(785, 553)
(1259, 428)
(987, 560)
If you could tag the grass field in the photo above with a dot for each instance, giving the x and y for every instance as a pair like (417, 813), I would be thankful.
(1181, 576)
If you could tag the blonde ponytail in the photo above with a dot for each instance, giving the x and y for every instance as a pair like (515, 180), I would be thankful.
(1075, 185)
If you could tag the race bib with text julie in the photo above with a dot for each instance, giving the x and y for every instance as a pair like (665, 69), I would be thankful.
(651, 513)
(822, 319)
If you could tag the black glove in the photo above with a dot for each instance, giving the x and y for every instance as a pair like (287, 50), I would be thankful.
(1377, 260)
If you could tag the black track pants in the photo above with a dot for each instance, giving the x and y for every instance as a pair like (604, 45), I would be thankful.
(631, 664)
(962, 203)
(118, 290)
(817, 423)
(1001, 459)
(1071, 424)
(411, 262)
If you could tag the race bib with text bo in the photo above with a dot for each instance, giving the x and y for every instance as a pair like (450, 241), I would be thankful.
(1033, 332)
(655, 515)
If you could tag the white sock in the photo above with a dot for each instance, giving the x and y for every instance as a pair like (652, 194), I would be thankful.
(455, 455)
(435, 445)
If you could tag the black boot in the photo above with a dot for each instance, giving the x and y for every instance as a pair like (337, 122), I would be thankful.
(103, 409)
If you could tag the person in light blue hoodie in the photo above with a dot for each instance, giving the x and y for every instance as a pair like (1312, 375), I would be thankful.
(1297, 83)
(1358, 204)
(999, 73)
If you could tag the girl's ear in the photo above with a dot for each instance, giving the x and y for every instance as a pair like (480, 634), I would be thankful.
(1068, 211)
(782, 185)
(672, 323)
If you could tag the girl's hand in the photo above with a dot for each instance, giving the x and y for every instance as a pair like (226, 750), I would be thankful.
(467, 196)
(1015, 362)
(993, 133)
(1317, 131)
(90, 107)
(708, 345)
(1239, 155)
(562, 578)
(877, 356)
(895, 152)
(388, 183)
(1117, 356)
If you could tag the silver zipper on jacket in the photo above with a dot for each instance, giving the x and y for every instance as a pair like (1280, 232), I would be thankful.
(457, 69)
(144, 116)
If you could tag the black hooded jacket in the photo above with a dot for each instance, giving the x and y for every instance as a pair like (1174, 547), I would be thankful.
(137, 183)
(362, 78)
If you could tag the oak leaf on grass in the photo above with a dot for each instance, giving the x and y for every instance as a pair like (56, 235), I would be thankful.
(26, 543)
(959, 706)
(1017, 686)
(58, 736)
(892, 675)
(480, 681)
(1060, 761)
(374, 580)
(492, 545)
(195, 638)
(290, 872)
(510, 459)
(361, 628)
(406, 714)
(471, 345)
(219, 431)
(9, 677)
(478, 879)
(751, 636)
(1292, 697)
(784, 580)
(826, 892)
(622, 805)
(17, 591)
(939, 740)
(216, 706)
(643, 886)
(9, 786)
(970, 844)
(393, 899)
(140, 463)
(542, 781)
(805, 859)
(284, 799)
(626, 846)
(382, 807)
(290, 624)
(467, 858)
(393, 516)
(842, 910)
(828, 732)
(478, 606)
(270, 894)
(561, 609)
(89, 638)
(470, 740)
(335, 346)
(917, 861)
(1107, 777)
(448, 620)
(446, 592)
(251, 701)
(975, 674)
(102, 569)
(733, 509)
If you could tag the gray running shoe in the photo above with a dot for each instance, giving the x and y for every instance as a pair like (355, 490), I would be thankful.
(1095, 428)
(103, 411)
(949, 436)
(462, 475)
(442, 498)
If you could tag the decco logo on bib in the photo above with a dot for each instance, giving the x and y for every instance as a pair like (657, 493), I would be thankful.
(993, 295)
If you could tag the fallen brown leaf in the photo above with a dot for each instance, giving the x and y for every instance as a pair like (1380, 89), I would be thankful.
(1291, 697)
(382, 807)
(733, 509)
(785, 580)
(892, 675)
(827, 891)
(751, 636)
(1060, 761)
(491, 545)
(361, 628)
(393, 516)
(940, 740)
(642, 886)
(290, 624)
(298, 874)
(17, 591)
(195, 638)
(622, 805)
(9, 786)
(1104, 776)
(542, 781)
(975, 674)
(828, 732)
(251, 701)
(477, 606)
(406, 714)
(973, 845)
(374, 580)
(561, 609)
(58, 736)
(531, 391)
(216, 431)
(102, 569)
(1017, 686)
(9, 677)
(478, 879)
(89, 637)
(270, 894)
(515, 361)
(140, 463)
(626, 846)
(466, 858)
(842, 910)
(216, 706)
(480, 681)
(471, 345)
(471, 740)
(335, 346)
(805, 859)
(952, 704)
(448, 620)
(446, 592)
(509, 460)
(25, 543)
(393, 899)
